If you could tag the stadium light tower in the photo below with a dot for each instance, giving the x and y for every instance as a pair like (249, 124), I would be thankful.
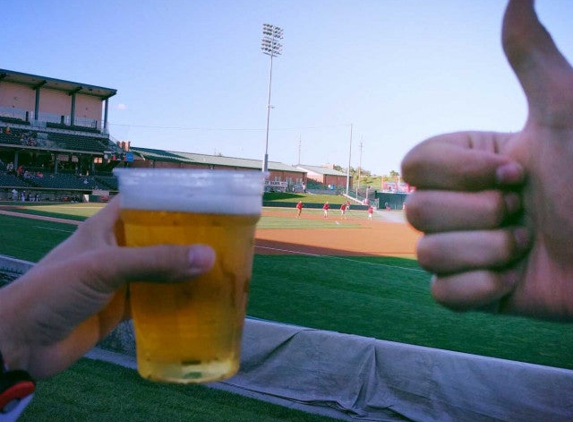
(272, 48)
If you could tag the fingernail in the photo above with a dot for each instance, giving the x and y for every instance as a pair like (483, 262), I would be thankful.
(522, 238)
(512, 202)
(201, 257)
(509, 174)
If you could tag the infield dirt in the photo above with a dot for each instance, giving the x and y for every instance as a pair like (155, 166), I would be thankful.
(352, 236)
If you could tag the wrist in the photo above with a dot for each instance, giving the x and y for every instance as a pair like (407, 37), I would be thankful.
(12, 331)
(16, 391)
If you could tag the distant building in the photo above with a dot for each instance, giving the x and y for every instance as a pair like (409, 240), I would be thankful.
(282, 177)
(325, 175)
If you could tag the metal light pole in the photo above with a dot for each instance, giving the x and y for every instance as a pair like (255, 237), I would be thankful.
(271, 47)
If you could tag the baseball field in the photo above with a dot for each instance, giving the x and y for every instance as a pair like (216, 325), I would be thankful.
(347, 274)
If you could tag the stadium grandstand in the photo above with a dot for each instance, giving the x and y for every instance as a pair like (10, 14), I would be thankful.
(54, 141)
(55, 145)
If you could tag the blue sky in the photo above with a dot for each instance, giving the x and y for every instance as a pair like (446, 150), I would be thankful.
(191, 76)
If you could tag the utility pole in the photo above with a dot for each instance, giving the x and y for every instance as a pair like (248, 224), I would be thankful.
(359, 168)
(349, 160)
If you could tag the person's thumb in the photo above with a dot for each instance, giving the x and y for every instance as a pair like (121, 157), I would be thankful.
(542, 70)
(95, 275)
(164, 263)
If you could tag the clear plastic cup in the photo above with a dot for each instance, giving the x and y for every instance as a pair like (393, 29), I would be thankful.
(191, 332)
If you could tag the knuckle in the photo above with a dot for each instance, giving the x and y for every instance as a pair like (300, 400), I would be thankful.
(428, 252)
(503, 250)
(492, 209)
(442, 293)
(419, 210)
(497, 212)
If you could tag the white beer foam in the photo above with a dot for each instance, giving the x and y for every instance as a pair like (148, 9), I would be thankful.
(201, 191)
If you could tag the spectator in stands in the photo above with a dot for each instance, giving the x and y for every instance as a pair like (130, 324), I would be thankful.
(496, 208)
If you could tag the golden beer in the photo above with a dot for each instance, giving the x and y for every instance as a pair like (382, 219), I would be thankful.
(191, 332)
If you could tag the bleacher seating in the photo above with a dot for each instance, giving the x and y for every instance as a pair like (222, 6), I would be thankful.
(40, 143)
(73, 142)
(11, 181)
(57, 181)
(107, 182)
(72, 127)
(79, 142)
(64, 181)
(14, 120)
(9, 138)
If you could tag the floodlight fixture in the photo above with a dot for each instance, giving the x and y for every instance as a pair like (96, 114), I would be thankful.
(272, 48)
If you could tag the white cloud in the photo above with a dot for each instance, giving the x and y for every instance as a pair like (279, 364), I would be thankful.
(121, 106)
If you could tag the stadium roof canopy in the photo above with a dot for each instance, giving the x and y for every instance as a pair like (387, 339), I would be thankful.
(202, 159)
(35, 81)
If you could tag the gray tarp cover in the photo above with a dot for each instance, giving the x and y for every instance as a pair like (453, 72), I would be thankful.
(357, 378)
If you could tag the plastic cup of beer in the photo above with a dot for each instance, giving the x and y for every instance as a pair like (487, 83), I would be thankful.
(191, 332)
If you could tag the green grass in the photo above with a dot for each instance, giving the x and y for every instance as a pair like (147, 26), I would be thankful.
(388, 298)
(70, 211)
(98, 391)
(385, 298)
(31, 239)
(381, 297)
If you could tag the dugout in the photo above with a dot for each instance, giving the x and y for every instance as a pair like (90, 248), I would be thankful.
(395, 200)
